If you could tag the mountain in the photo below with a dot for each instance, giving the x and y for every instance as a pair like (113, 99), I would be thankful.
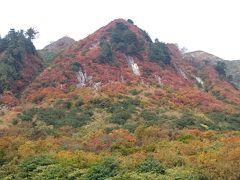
(117, 105)
(60, 44)
(120, 53)
(203, 56)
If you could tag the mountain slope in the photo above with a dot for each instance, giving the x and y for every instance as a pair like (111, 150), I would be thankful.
(120, 57)
(116, 105)
(19, 62)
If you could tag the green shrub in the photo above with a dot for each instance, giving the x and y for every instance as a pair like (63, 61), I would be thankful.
(130, 21)
(185, 137)
(124, 40)
(135, 92)
(15, 121)
(121, 117)
(159, 52)
(106, 55)
(57, 117)
(149, 117)
(79, 103)
(123, 110)
(28, 115)
(151, 165)
(53, 172)
(30, 165)
(103, 170)
(218, 95)
(187, 120)
(2, 156)
(221, 68)
(100, 103)
(75, 66)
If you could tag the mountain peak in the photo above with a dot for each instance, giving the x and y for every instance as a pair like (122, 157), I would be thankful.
(202, 56)
(60, 44)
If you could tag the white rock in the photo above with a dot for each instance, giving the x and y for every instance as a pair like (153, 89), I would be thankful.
(133, 65)
(199, 80)
(82, 78)
(159, 80)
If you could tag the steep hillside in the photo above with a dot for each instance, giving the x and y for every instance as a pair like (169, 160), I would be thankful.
(120, 57)
(19, 63)
(117, 105)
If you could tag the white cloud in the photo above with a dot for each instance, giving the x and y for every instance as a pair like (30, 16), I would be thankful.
(212, 26)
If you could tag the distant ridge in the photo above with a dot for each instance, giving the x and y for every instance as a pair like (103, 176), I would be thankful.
(60, 44)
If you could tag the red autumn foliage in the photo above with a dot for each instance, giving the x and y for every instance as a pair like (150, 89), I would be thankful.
(7, 98)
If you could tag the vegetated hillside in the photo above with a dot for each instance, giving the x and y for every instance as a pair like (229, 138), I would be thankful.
(49, 52)
(116, 105)
(19, 63)
(122, 56)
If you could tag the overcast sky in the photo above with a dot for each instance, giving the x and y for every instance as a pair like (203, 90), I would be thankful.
(208, 25)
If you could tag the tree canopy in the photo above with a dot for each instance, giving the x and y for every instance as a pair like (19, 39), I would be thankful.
(13, 48)
(159, 52)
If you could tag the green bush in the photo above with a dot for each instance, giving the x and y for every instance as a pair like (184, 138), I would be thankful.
(79, 103)
(106, 55)
(75, 66)
(185, 137)
(149, 117)
(57, 117)
(100, 103)
(218, 95)
(103, 170)
(151, 165)
(187, 120)
(124, 40)
(135, 92)
(130, 21)
(159, 52)
(30, 165)
(53, 172)
(121, 117)
(221, 68)
(123, 110)
(2, 156)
